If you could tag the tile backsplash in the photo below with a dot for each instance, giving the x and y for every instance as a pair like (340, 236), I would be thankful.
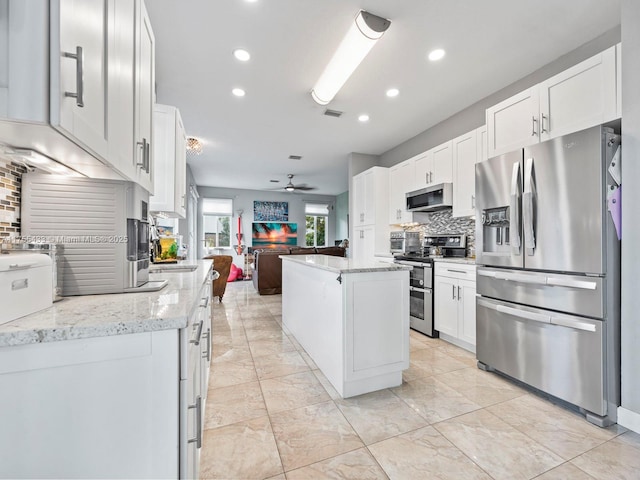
(10, 187)
(443, 223)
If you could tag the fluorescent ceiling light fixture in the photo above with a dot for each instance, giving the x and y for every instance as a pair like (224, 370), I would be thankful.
(33, 159)
(241, 54)
(364, 117)
(238, 92)
(363, 34)
(393, 92)
(436, 54)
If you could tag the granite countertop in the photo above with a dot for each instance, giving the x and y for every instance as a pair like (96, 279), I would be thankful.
(465, 260)
(112, 314)
(343, 265)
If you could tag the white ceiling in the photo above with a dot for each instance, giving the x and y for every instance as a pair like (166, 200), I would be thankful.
(247, 141)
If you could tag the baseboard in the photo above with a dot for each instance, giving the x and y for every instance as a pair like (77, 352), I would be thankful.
(629, 419)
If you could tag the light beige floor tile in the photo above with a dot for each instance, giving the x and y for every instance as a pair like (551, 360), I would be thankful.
(269, 347)
(414, 372)
(233, 404)
(243, 450)
(280, 364)
(566, 471)
(234, 338)
(617, 459)
(333, 393)
(224, 374)
(379, 415)
(305, 356)
(230, 353)
(483, 388)
(310, 434)
(563, 432)
(249, 312)
(432, 360)
(292, 391)
(433, 400)
(295, 342)
(262, 325)
(460, 354)
(498, 448)
(416, 344)
(278, 477)
(424, 454)
(253, 335)
(271, 299)
(356, 465)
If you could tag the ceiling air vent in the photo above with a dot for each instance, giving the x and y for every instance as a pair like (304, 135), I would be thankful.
(295, 157)
(333, 113)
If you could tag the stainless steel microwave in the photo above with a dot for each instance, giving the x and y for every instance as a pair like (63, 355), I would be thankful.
(435, 197)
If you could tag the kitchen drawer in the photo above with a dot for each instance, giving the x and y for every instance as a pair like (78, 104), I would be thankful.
(455, 270)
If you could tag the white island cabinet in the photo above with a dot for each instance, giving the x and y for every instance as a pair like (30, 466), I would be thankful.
(108, 386)
(351, 317)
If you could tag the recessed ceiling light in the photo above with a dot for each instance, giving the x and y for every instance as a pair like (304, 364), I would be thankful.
(364, 117)
(241, 54)
(238, 92)
(252, 1)
(393, 92)
(436, 54)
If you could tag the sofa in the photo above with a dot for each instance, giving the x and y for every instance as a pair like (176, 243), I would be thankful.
(267, 265)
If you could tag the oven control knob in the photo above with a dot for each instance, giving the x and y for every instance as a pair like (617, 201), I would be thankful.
(421, 283)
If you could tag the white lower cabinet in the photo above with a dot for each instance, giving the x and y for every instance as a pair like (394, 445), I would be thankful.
(120, 406)
(455, 303)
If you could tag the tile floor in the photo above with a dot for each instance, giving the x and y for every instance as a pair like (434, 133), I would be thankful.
(272, 414)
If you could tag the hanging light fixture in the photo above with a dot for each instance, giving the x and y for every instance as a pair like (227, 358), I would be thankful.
(365, 31)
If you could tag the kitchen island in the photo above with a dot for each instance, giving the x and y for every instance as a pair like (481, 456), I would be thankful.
(108, 386)
(352, 318)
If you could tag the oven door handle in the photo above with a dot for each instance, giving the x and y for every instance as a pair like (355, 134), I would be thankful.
(423, 290)
(413, 264)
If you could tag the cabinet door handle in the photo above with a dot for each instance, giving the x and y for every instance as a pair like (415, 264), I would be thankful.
(456, 271)
(458, 292)
(207, 355)
(473, 201)
(533, 126)
(198, 407)
(206, 302)
(426, 177)
(79, 58)
(198, 334)
(542, 129)
(430, 177)
(144, 165)
(453, 292)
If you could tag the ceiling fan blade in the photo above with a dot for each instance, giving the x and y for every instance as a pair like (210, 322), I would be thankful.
(304, 187)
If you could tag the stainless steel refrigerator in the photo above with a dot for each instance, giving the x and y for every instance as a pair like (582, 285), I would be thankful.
(548, 277)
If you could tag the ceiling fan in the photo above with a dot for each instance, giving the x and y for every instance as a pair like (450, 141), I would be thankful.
(290, 187)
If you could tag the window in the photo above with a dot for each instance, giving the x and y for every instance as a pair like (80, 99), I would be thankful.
(216, 216)
(317, 216)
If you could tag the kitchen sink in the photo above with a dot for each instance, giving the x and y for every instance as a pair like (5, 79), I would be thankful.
(172, 268)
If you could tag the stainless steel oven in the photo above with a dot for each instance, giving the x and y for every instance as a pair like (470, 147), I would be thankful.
(420, 294)
(404, 242)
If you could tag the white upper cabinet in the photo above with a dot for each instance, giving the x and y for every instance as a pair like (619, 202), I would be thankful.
(465, 156)
(79, 43)
(77, 83)
(370, 211)
(513, 123)
(145, 98)
(483, 150)
(170, 160)
(401, 181)
(582, 96)
(579, 97)
(435, 166)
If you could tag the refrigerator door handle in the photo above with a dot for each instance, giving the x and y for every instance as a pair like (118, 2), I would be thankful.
(536, 317)
(527, 207)
(578, 325)
(563, 282)
(514, 210)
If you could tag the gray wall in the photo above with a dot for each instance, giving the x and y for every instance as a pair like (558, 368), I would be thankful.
(243, 200)
(630, 199)
(474, 115)
(342, 216)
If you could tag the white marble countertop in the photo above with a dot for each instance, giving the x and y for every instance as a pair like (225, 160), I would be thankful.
(343, 265)
(112, 314)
